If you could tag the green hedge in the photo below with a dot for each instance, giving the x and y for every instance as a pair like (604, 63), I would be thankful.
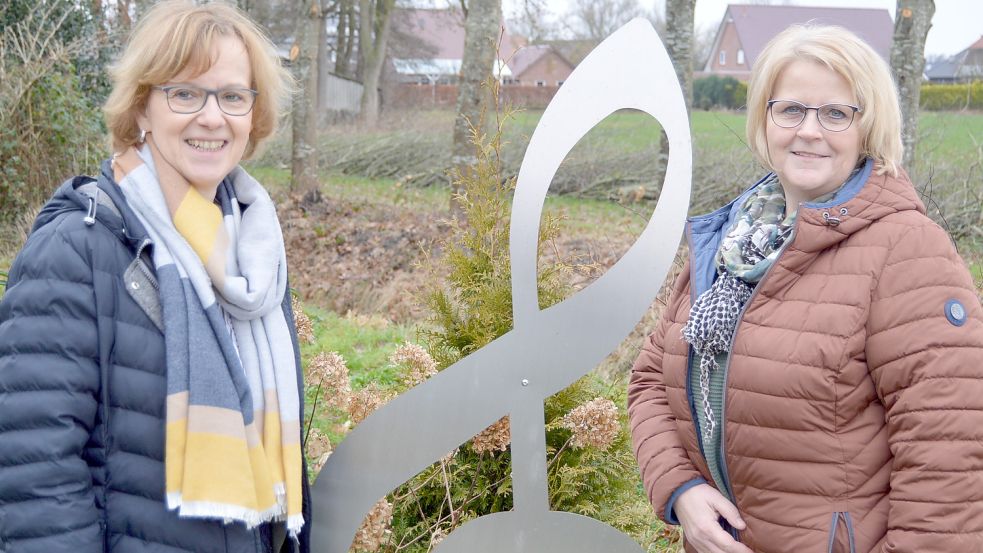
(715, 92)
(948, 97)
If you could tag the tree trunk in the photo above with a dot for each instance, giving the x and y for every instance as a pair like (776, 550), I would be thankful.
(366, 11)
(323, 59)
(303, 170)
(911, 24)
(482, 31)
(678, 39)
(373, 61)
(123, 12)
(344, 32)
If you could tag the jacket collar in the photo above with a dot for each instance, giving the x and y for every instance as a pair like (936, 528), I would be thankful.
(124, 223)
(864, 199)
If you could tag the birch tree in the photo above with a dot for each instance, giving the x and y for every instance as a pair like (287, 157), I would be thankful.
(482, 27)
(912, 21)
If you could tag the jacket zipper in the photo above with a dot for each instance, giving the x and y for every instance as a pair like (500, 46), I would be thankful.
(726, 368)
(143, 266)
(834, 526)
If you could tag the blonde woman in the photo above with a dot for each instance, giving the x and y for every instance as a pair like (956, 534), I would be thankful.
(816, 382)
(150, 387)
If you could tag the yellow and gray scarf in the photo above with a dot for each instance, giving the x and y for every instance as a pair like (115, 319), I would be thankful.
(233, 448)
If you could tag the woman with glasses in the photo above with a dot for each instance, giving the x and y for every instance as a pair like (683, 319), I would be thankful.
(816, 381)
(150, 385)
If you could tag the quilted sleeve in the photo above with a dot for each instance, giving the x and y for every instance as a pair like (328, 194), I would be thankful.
(49, 380)
(662, 459)
(925, 355)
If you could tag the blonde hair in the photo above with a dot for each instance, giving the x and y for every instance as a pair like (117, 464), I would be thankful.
(846, 54)
(177, 36)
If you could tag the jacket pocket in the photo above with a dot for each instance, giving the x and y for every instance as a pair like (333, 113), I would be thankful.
(841, 525)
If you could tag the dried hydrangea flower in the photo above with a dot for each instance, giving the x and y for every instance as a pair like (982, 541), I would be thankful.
(593, 424)
(305, 329)
(494, 438)
(330, 372)
(416, 363)
(374, 532)
(318, 448)
(365, 401)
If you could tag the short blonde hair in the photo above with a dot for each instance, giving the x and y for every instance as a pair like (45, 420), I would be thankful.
(850, 57)
(177, 35)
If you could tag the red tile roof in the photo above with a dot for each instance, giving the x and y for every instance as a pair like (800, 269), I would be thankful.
(757, 24)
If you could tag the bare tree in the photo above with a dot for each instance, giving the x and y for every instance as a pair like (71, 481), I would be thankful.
(912, 21)
(375, 18)
(482, 26)
(533, 20)
(596, 19)
(303, 54)
(703, 38)
(345, 34)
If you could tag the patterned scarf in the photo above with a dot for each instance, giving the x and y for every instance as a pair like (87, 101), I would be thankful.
(233, 447)
(750, 247)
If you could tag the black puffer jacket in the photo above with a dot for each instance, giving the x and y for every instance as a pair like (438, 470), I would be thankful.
(82, 393)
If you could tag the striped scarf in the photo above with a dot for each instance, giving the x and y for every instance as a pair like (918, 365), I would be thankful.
(233, 448)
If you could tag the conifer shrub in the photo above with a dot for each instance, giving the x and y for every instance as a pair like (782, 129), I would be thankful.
(590, 467)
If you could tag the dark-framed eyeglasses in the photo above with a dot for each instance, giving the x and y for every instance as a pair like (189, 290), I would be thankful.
(187, 99)
(789, 114)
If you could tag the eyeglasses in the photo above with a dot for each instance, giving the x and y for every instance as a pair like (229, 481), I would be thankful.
(789, 114)
(190, 99)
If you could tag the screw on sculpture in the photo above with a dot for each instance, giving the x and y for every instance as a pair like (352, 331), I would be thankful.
(547, 350)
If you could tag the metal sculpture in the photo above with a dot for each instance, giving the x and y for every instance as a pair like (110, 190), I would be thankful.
(547, 350)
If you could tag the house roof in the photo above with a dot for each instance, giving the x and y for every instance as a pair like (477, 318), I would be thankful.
(574, 51)
(442, 32)
(526, 56)
(757, 24)
(956, 65)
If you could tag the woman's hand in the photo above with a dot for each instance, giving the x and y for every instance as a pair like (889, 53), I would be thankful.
(698, 510)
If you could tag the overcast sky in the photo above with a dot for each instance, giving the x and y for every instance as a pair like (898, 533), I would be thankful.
(956, 24)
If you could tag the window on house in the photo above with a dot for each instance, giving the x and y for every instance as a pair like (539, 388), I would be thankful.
(540, 83)
(740, 57)
(722, 60)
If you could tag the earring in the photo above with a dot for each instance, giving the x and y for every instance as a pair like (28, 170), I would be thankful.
(143, 136)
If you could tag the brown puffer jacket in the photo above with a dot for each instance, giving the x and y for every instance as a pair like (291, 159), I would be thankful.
(854, 395)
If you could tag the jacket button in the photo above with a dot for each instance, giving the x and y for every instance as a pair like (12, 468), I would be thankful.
(135, 285)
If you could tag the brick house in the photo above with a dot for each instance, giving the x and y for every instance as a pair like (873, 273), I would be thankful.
(435, 46)
(537, 65)
(746, 28)
(430, 49)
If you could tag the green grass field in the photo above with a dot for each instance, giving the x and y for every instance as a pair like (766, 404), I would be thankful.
(952, 135)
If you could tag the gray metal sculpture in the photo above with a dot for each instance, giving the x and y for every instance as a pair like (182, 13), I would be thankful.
(547, 350)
